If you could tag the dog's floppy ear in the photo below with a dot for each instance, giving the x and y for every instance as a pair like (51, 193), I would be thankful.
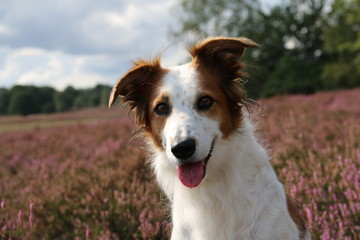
(217, 59)
(220, 56)
(220, 47)
(135, 84)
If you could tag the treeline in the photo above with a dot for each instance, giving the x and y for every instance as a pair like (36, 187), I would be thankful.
(24, 100)
(306, 45)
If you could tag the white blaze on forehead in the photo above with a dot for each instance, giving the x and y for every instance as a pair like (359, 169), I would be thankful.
(181, 82)
(182, 87)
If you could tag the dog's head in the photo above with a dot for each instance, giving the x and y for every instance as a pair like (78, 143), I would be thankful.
(183, 110)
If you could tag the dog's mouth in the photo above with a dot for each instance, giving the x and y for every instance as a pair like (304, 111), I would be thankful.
(191, 174)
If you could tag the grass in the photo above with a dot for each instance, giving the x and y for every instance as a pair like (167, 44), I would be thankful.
(80, 176)
(20, 123)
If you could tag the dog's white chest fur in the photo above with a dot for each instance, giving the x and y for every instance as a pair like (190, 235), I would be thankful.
(240, 197)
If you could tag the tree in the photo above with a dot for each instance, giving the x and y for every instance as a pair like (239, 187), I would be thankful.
(290, 35)
(104, 96)
(4, 100)
(23, 101)
(80, 102)
(201, 18)
(100, 95)
(64, 101)
(342, 45)
(216, 17)
(46, 99)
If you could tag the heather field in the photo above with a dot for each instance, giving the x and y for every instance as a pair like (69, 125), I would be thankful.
(80, 176)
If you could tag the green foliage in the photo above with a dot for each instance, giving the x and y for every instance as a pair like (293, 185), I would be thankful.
(342, 46)
(93, 97)
(104, 96)
(304, 48)
(25, 100)
(290, 48)
(299, 79)
(216, 17)
(4, 100)
(46, 99)
(64, 100)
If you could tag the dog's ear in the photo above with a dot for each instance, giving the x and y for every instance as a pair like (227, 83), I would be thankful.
(135, 88)
(217, 59)
(135, 84)
(220, 56)
(218, 48)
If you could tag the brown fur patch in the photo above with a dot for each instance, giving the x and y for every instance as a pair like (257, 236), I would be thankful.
(137, 87)
(220, 110)
(296, 216)
(217, 63)
(157, 123)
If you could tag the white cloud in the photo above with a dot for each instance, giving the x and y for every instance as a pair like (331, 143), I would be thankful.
(5, 30)
(6, 73)
(81, 80)
(34, 66)
(81, 43)
(85, 27)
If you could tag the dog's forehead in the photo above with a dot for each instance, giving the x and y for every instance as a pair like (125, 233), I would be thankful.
(181, 82)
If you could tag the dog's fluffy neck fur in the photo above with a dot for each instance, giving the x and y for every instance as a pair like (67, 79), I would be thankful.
(243, 201)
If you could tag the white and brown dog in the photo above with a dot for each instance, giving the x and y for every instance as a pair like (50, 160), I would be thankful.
(204, 153)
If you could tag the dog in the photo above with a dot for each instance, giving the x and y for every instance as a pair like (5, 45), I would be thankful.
(206, 159)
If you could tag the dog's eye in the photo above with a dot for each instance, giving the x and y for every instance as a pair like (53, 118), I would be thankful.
(162, 109)
(205, 102)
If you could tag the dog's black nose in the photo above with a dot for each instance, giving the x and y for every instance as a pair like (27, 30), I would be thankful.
(185, 149)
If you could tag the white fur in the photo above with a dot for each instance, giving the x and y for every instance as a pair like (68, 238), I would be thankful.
(240, 196)
(184, 121)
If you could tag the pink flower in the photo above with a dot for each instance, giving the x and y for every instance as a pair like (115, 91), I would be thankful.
(4, 228)
(19, 216)
(87, 232)
(31, 217)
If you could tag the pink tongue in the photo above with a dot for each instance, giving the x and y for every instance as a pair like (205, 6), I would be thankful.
(191, 174)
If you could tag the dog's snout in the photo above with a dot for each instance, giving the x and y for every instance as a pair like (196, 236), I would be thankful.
(184, 149)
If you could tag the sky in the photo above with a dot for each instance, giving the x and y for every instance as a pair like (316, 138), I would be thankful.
(82, 43)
